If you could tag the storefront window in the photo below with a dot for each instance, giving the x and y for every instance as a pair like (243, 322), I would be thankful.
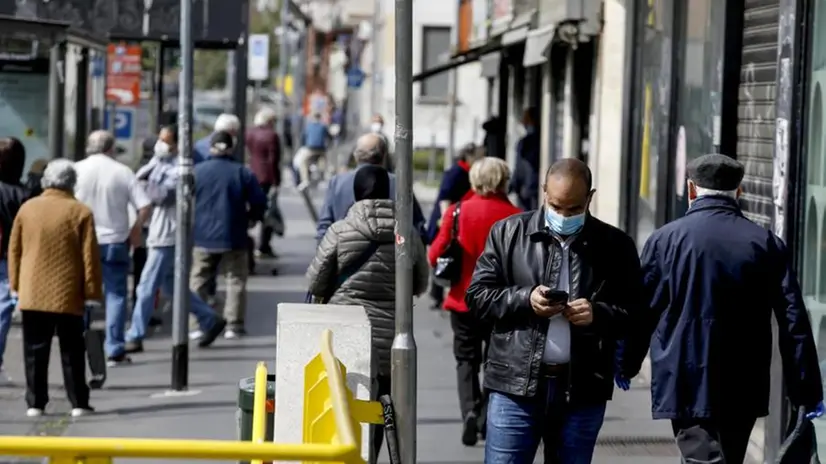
(814, 233)
(655, 99)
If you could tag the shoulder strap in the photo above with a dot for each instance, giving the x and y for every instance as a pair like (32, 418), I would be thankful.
(355, 265)
(455, 228)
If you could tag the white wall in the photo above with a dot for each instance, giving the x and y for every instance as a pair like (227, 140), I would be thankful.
(432, 120)
(606, 134)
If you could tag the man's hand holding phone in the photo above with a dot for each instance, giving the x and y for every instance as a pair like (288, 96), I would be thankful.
(548, 303)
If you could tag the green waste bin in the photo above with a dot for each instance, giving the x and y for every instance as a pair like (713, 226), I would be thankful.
(246, 399)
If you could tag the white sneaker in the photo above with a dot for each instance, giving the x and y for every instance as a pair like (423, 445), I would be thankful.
(34, 412)
(5, 379)
(195, 335)
(230, 334)
(79, 412)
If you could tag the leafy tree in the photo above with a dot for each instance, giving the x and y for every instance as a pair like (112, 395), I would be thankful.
(211, 65)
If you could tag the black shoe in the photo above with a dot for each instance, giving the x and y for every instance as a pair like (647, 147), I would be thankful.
(274, 272)
(209, 337)
(119, 360)
(266, 252)
(436, 306)
(470, 432)
(155, 322)
(134, 347)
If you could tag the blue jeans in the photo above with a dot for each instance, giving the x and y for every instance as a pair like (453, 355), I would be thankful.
(115, 258)
(159, 273)
(6, 307)
(517, 424)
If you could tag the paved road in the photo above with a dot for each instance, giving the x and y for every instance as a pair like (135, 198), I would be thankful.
(133, 403)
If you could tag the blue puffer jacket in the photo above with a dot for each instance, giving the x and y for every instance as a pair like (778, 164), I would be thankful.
(227, 199)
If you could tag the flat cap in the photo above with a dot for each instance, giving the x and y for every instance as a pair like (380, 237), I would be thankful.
(716, 172)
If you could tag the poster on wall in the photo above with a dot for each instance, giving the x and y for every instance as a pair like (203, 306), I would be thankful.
(24, 106)
(479, 21)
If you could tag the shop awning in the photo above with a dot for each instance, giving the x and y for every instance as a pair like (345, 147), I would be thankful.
(466, 57)
(518, 29)
(536, 46)
(56, 31)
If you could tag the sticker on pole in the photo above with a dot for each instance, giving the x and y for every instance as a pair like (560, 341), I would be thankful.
(399, 239)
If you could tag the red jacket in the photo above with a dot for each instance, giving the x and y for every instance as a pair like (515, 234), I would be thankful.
(265, 154)
(476, 217)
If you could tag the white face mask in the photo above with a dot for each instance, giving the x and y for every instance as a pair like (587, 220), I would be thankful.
(376, 127)
(162, 148)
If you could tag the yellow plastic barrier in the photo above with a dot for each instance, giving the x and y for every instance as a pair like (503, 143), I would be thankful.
(331, 432)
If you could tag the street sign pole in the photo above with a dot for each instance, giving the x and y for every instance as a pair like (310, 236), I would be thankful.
(186, 184)
(283, 57)
(404, 344)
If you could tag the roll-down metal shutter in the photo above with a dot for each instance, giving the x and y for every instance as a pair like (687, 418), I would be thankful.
(755, 127)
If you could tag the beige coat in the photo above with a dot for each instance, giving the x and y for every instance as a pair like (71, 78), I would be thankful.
(54, 259)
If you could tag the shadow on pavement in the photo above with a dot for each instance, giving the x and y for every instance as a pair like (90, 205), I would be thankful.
(166, 407)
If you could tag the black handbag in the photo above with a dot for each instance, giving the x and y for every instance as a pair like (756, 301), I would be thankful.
(448, 267)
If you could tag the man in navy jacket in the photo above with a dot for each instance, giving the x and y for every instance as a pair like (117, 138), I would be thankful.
(227, 199)
(712, 280)
(370, 149)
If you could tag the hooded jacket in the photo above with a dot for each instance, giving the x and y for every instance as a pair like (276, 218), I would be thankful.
(373, 285)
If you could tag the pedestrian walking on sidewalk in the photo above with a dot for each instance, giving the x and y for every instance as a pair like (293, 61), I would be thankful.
(109, 188)
(712, 281)
(370, 151)
(265, 161)
(12, 196)
(55, 270)
(355, 264)
(160, 179)
(471, 219)
(559, 287)
(228, 199)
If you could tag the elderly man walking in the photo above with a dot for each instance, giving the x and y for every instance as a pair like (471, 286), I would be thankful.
(370, 150)
(109, 188)
(225, 122)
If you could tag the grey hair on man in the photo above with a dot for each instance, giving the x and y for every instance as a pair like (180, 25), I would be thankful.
(264, 117)
(227, 123)
(370, 149)
(100, 142)
(59, 174)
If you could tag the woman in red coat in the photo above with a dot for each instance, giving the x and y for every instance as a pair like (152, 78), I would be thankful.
(478, 212)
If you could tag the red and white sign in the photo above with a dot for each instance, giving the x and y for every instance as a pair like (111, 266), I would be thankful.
(123, 75)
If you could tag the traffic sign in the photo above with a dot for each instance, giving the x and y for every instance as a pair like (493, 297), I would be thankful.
(355, 77)
(258, 61)
(124, 123)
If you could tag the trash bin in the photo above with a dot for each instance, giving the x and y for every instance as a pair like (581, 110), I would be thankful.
(246, 395)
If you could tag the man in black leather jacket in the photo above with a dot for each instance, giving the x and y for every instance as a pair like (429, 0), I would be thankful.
(559, 287)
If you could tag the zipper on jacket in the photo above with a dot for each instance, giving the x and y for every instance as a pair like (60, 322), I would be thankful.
(571, 347)
(547, 278)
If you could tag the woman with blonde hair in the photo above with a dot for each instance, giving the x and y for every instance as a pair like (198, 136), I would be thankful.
(468, 222)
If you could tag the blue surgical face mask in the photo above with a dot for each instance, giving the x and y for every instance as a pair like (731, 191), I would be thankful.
(563, 225)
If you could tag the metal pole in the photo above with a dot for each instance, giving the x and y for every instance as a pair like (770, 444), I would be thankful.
(186, 184)
(283, 61)
(450, 153)
(57, 99)
(404, 344)
(376, 54)
(570, 140)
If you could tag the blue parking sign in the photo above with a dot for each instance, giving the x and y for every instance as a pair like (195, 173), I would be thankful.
(258, 48)
(123, 123)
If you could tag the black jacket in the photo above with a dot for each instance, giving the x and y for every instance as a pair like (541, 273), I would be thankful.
(520, 254)
(12, 196)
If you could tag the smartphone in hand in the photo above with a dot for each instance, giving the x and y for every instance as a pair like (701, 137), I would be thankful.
(556, 297)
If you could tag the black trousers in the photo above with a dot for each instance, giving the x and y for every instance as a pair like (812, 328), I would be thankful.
(723, 441)
(437, 293)
(470, 347)
(382, 388)
(39, 327)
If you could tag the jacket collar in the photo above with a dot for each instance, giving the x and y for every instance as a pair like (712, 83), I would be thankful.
(715, 202)
(57, 193)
